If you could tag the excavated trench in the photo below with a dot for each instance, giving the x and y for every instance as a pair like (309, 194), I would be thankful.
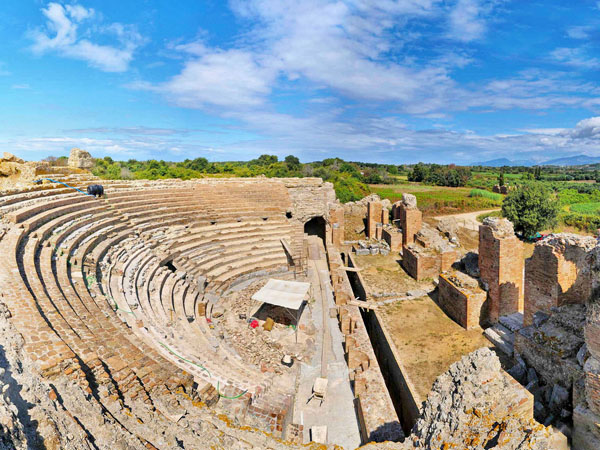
(404, 399)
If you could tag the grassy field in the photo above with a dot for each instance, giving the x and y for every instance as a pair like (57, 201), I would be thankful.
(586, 208)
(433, 200)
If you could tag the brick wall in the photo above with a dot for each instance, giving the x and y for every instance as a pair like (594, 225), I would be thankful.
(463, 305)
(336, 219)
(421, 265)
(556, 275)
(378, 414)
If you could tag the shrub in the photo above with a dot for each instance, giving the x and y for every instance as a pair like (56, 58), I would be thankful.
(531, 208)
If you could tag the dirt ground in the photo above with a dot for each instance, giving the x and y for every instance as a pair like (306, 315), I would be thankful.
(427, 341)
(383, 274)
(353, 222)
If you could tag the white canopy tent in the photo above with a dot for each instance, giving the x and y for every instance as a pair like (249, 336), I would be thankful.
(287, 294)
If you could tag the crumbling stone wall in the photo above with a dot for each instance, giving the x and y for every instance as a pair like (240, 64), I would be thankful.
(558, 272)
(561, 290)
(411, 218)
(501, 267)
(461, 298)
(310, 197)
(80, 159)
(429, 254)
(378, 414)
(476, 405)
(586, 415)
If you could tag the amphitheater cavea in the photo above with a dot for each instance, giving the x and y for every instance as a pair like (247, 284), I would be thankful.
(235, 313)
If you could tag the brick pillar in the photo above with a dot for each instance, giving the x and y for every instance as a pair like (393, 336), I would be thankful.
(396, 210)
(336, 218)
(373, 217)
(385, 216)
(411, 221)
(501, 267)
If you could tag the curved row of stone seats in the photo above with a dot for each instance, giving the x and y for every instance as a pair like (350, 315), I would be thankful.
(156, 309)
(217, 362)
(114, 365)
(167, 284)
(76, 262)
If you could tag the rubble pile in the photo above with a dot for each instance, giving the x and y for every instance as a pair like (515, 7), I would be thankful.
(475, 405)
(372, 247)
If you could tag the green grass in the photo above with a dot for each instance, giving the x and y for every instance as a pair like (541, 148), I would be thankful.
(434, 200)
(480, 217)
(485, 194)
(586, 208)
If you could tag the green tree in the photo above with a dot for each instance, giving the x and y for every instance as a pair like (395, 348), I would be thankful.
(501, 177)
(292, 162)
(531, 208)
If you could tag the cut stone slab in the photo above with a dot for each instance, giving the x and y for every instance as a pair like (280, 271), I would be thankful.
(318, 434)
(501, 337)
(514, 322)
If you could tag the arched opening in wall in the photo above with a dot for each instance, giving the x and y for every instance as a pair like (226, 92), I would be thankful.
(315, 227)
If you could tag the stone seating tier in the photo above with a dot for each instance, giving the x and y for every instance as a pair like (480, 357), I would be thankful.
(77, 257)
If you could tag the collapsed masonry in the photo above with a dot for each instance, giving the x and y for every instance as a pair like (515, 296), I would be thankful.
(560, 338)
(476, 405)
(488, 286)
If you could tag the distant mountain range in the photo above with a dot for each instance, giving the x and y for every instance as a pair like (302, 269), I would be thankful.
(577, 160)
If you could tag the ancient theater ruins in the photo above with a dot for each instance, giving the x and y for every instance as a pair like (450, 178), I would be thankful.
(263, 313)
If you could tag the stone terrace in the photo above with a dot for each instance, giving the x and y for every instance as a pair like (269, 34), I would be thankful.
(119, 294)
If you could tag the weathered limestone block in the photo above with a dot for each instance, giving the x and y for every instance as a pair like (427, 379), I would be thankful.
(558, 272)
(501, 267)
(80, 159)
(473, 397)
(409, 201)
(551, 346)
(9, 157)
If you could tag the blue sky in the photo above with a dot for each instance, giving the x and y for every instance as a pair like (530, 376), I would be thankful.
(392, 81)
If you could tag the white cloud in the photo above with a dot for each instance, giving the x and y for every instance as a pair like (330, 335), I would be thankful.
(232, 78)
(579, 32)
(61, 35)
(20, 86)
(587, 129)
(574, 57)
(466, 21)
(334, 45)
